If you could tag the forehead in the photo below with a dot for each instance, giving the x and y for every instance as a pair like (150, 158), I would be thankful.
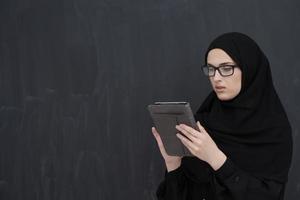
(217, 56)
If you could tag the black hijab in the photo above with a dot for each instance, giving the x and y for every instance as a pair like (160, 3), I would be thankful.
(252, 129)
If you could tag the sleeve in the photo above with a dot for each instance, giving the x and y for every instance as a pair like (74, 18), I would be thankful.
(173, 187)
(236, 184)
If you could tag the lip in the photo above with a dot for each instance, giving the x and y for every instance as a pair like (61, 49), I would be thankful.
(219, 87)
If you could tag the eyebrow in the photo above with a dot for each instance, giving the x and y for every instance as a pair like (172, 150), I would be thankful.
(224, 63)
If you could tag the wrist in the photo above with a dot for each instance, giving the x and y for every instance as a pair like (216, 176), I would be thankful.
(218, 160)
(173, 165)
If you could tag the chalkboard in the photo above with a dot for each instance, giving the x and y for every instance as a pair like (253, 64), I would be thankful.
(76, 77)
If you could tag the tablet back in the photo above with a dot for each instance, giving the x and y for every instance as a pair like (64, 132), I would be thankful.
(166, 115)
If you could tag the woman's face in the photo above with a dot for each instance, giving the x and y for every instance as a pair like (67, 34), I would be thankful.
(227, 87)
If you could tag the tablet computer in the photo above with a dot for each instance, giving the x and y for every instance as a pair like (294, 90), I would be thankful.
(166, 115)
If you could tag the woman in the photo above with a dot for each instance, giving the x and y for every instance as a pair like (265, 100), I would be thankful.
(244, 147)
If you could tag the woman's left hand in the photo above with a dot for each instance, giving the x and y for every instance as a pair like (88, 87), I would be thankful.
(201, 145)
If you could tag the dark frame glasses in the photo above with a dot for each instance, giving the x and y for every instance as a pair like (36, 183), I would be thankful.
(223, 69)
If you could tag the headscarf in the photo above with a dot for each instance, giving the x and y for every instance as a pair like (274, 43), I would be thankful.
(252, 129)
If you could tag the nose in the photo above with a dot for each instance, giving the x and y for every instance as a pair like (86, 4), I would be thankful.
(217, 76)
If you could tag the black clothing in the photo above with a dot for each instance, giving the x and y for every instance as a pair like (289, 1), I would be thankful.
(252, 130)
(228, 183)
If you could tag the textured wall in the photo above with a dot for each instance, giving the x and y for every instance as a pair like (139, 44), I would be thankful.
(76, 77)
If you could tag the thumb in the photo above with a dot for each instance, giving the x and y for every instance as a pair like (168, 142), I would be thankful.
(159, 142)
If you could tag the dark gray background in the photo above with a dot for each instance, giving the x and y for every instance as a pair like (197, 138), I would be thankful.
(76, 77)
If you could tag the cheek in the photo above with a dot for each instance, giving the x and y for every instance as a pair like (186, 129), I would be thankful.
(211, 81)
(236, 85)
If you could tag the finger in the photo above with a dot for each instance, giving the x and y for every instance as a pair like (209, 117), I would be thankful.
(157, 136)
(187, 142)
(201, 128)
(191, 150)
(195, 132)
(159, 142)
(186, 133)
(154, 131)
(189, 129)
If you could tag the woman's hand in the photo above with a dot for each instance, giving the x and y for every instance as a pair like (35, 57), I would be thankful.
(201, 145)
(172, 162)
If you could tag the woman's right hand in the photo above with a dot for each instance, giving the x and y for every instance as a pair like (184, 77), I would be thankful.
(172, 162)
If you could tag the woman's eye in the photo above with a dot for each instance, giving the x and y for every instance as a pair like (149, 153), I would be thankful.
(227, 69)
(211, 69)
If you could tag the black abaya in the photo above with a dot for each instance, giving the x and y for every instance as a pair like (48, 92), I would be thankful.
(228, 183)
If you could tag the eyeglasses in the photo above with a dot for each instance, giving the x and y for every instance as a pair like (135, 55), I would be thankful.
(224, 70)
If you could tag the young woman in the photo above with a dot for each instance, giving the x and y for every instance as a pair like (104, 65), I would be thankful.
(244, 147)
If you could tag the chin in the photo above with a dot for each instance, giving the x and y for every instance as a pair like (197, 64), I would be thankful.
(224, 97)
